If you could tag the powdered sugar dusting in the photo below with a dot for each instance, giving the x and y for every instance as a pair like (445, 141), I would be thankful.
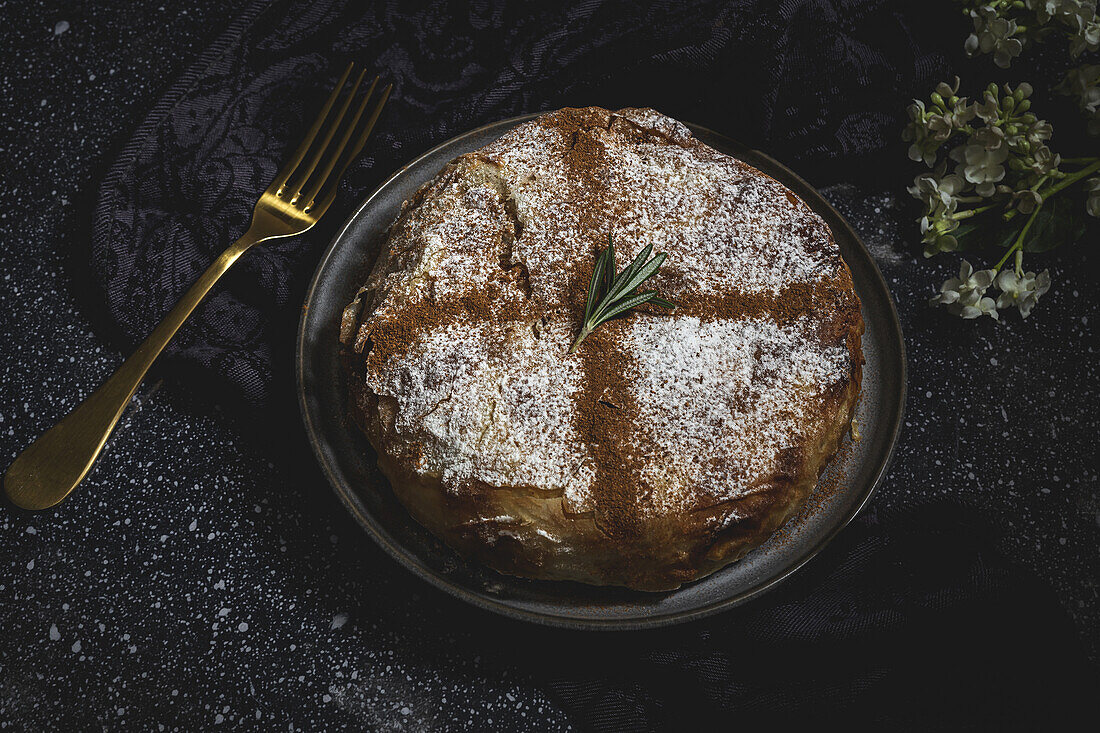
(717, 217)
(499, 417)
(724, 398)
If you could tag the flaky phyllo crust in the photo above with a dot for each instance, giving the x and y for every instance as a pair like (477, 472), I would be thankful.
(670, 444)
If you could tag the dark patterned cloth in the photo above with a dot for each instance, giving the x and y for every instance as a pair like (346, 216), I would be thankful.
(907, 623)
(818, 84)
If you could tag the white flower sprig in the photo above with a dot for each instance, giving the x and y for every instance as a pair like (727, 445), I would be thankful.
(994, 34)
(989, 163)
(963, 295)
(1021, 289)
(1005, 27)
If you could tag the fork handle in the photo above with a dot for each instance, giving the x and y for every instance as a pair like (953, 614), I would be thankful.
(52, 466)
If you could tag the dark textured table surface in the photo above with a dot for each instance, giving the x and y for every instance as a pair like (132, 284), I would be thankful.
(200, 577)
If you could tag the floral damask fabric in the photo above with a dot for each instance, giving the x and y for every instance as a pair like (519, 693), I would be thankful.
(818, 84)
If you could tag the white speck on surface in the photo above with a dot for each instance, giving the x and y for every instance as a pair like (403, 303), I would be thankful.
(60, 27)
(55, 635)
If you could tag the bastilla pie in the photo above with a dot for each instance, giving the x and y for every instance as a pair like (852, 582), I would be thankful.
(671, 442)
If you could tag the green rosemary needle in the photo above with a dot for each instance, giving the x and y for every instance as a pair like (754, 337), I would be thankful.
(612, 296)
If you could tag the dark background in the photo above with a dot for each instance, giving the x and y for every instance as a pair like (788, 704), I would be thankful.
(206, 574)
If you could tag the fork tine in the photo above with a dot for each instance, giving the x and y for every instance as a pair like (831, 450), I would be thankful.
(303, 147)
(370, 126)
(302, 178)
(350, 154)
(308, 196)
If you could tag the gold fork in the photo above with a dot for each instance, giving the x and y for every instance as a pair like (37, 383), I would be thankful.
(51, 467)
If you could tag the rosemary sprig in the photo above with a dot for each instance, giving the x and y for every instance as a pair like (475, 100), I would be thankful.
(611, 296)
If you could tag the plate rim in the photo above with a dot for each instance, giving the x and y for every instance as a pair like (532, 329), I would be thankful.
(408, 560)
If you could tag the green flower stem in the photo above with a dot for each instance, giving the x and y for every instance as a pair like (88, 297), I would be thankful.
(1019, 240)
(1040, 183)
(973, 212)
(1074, 177)
(1066, 182)
(1079, 161)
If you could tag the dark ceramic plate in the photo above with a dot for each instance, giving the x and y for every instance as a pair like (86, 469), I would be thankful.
(348, 460)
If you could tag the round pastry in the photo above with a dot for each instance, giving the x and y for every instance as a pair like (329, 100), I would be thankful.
(670, 443)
